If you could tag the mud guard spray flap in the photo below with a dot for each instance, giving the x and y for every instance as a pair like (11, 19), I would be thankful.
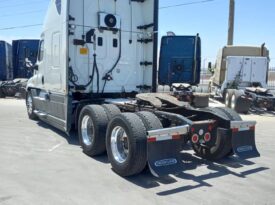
(244, 145)
(164, 157)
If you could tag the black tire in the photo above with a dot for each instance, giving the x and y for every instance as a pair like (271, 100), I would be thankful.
(96, 122)
(215, 111)
(135, 129)
(2, 94)
(220, 147)
(231, 114)
(239, 104)
(272, 93)
(270, 109)
(30, 106)
(111, 110)
(150, 120)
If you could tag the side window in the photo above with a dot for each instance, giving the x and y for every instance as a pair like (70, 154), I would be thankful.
(41, 51)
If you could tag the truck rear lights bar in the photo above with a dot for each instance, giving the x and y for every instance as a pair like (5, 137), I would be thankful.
(207, 137)
(173, 133)
(239, 126)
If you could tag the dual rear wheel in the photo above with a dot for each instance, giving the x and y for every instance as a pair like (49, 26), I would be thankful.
(235, 99)
(122, 135)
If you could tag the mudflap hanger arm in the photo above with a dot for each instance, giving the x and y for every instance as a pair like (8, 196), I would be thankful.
(164, 146)
(243, 139)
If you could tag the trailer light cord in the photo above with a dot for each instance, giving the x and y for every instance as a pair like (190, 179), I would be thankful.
(73, 78)
(108, 76)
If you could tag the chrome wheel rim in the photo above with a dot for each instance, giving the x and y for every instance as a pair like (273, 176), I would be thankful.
(233, 103)
(119, 144)
(29, 104)
(87, 130)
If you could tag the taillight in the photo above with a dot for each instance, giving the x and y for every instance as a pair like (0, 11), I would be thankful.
(207, 137)
(195, 138)
(252, 128)
(210, 127)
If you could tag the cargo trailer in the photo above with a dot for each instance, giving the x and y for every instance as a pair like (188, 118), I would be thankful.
(5, 61)
(22, 49)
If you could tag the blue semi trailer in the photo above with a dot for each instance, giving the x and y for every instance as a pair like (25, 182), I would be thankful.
(180, 60)
(14, 78)
(180, 67)
(22, 49)
(5, 61)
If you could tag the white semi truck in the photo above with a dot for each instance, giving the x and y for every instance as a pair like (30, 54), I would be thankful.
(97, 72)
(240, 78)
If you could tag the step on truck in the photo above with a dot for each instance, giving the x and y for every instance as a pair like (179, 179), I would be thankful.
(240, 78)
(97, 72)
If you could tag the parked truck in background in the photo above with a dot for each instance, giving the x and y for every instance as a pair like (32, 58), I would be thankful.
(180, 67)
(240, 78)
(97, 73)
(15, 82)
(5, 61)
(5, 65)
(22, 49)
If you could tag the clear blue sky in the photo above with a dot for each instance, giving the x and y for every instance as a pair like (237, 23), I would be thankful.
(254, 22)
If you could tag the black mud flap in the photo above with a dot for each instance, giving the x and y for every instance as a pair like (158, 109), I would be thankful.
(243, 143)
(164, 157)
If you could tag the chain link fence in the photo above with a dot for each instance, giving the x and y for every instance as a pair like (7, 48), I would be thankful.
(205, 77)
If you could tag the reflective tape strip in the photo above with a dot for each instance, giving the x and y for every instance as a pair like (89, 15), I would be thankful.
(181, 130)
(163, 138)
(239, 126)
(172, 133)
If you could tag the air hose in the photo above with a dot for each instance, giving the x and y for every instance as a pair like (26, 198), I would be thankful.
(74, 78)
(108, 77)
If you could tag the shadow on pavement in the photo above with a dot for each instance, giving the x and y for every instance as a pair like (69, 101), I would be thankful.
(147, 180)
(262, 112)
(72, 139)
(192, 162)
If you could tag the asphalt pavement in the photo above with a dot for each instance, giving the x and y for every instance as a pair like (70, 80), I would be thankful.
(41, 165)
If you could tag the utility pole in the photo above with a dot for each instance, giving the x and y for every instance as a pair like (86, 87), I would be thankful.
(230, 39)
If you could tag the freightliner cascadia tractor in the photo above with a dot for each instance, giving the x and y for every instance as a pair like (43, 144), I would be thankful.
(97, 72)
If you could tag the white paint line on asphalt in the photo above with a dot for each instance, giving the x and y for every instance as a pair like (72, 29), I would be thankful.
(55, 147)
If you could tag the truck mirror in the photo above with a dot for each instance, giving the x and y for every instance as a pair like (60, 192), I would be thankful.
(210, 68)
(209, 65)
(29, 65)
